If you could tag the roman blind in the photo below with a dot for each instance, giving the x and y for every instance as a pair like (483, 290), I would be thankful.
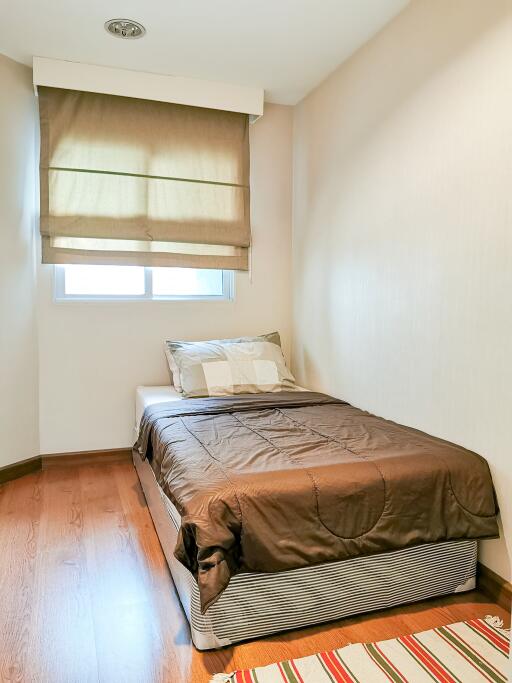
(137, 182)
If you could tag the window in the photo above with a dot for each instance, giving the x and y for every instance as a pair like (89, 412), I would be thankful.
(132, 283)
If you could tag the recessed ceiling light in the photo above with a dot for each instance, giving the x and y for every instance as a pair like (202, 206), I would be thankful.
(125, 28)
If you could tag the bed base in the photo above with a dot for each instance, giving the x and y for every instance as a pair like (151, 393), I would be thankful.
(258, 604)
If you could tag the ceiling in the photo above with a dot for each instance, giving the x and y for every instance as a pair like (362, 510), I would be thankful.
(285, 46)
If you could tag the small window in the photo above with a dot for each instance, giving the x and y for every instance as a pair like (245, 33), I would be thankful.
(134, 283)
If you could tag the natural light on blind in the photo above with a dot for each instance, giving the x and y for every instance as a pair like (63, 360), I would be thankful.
(137, 282)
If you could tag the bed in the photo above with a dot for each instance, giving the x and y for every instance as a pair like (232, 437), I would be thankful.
(258, 603)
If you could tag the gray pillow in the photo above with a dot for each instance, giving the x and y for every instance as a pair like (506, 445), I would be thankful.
(221, 367)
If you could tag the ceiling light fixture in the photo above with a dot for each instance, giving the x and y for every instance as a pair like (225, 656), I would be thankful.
(125, 28)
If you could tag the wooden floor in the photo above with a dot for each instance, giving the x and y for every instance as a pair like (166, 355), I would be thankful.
(85, 594)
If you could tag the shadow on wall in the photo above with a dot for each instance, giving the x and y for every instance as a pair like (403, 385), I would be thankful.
(381, 86)
(378, 81)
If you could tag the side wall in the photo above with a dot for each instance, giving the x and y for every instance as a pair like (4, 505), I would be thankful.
(93, 355)
(402, 232)
(18, 336)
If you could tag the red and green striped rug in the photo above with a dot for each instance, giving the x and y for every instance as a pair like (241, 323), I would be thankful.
(466, 652)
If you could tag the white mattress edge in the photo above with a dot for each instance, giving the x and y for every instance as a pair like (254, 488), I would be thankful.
(149, 395)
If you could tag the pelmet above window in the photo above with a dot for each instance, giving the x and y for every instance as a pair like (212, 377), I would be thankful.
(138, 182)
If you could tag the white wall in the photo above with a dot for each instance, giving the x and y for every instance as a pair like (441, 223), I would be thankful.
(18, 340)
(402, 238)
(93, 355)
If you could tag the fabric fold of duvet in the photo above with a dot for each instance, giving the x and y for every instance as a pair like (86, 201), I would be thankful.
(269, 482)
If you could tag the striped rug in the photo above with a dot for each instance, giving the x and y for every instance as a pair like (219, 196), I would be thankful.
(466, 652)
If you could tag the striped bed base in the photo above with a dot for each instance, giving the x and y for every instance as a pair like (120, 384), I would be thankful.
(256, 604)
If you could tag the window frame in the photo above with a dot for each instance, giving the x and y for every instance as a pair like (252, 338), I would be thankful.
(228, 286)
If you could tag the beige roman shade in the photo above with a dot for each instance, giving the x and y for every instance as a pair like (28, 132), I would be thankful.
(138, 182)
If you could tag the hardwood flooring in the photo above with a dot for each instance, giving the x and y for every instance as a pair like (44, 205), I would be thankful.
(85, 593)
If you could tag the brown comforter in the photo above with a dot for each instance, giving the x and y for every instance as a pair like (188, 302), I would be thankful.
(269, 482)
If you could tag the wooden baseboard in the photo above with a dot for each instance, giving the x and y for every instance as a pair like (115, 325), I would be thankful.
(494, 586)
(19, 469)
(86, 458)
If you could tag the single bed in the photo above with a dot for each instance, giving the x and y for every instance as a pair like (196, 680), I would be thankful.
(260, 603)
